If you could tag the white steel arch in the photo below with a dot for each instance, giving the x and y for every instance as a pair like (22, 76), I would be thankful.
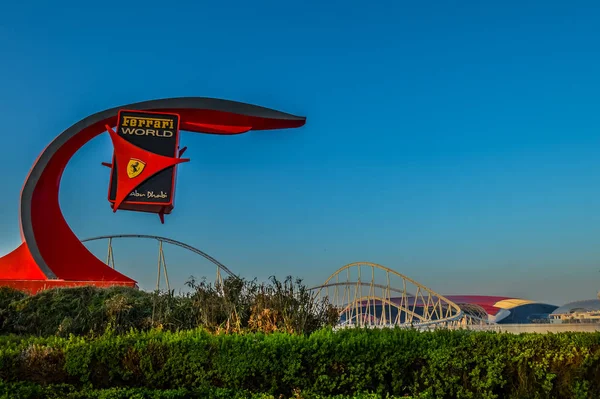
(371, 295)
(162, 263)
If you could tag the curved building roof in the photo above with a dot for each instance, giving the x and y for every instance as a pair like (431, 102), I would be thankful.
(491, 304)
(589, 305)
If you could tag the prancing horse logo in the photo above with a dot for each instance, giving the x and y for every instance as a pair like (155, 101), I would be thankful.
(135, 167)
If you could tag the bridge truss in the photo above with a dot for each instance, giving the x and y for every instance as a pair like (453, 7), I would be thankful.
(371, 295)
(161, 261)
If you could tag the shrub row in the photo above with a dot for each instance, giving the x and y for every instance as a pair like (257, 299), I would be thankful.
(63, 391)
(234, 305)
(440, 364)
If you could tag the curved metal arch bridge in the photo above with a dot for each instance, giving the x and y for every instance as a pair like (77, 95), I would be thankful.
(371, 295)
(162, 264)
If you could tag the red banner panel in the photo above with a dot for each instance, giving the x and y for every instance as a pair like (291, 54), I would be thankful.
(145, 181)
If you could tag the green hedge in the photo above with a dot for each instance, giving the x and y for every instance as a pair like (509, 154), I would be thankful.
(442, 364)
(236, 305)
(63, 391)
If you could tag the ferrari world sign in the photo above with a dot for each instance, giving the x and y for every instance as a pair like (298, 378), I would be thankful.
(145, 137)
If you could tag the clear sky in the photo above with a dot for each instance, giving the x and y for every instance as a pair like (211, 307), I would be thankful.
(455, 142)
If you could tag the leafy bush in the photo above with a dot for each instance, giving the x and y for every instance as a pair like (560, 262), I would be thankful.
(440, 364)
(33, 391)
(233, 306)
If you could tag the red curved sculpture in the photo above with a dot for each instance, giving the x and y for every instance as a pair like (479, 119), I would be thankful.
(51, 255)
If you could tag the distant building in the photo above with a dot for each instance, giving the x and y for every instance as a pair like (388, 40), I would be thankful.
(507, 310)
(489, 309)
(587, 311)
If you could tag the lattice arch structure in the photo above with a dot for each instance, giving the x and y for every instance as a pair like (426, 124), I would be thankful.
(161, 261)
(473, 315)
(371, 295)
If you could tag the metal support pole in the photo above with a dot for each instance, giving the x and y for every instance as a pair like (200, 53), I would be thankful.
(110, 260)
(164, 264)
(159, 262)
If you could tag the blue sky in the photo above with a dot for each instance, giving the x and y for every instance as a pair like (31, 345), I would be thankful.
(455, 142)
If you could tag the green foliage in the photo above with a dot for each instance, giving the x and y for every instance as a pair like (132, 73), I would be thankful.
(63, 391)
(235, 305)
(397, 362)
(9, 296)
(120, 342)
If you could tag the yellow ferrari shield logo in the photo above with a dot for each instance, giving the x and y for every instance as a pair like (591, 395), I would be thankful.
(135, 167)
